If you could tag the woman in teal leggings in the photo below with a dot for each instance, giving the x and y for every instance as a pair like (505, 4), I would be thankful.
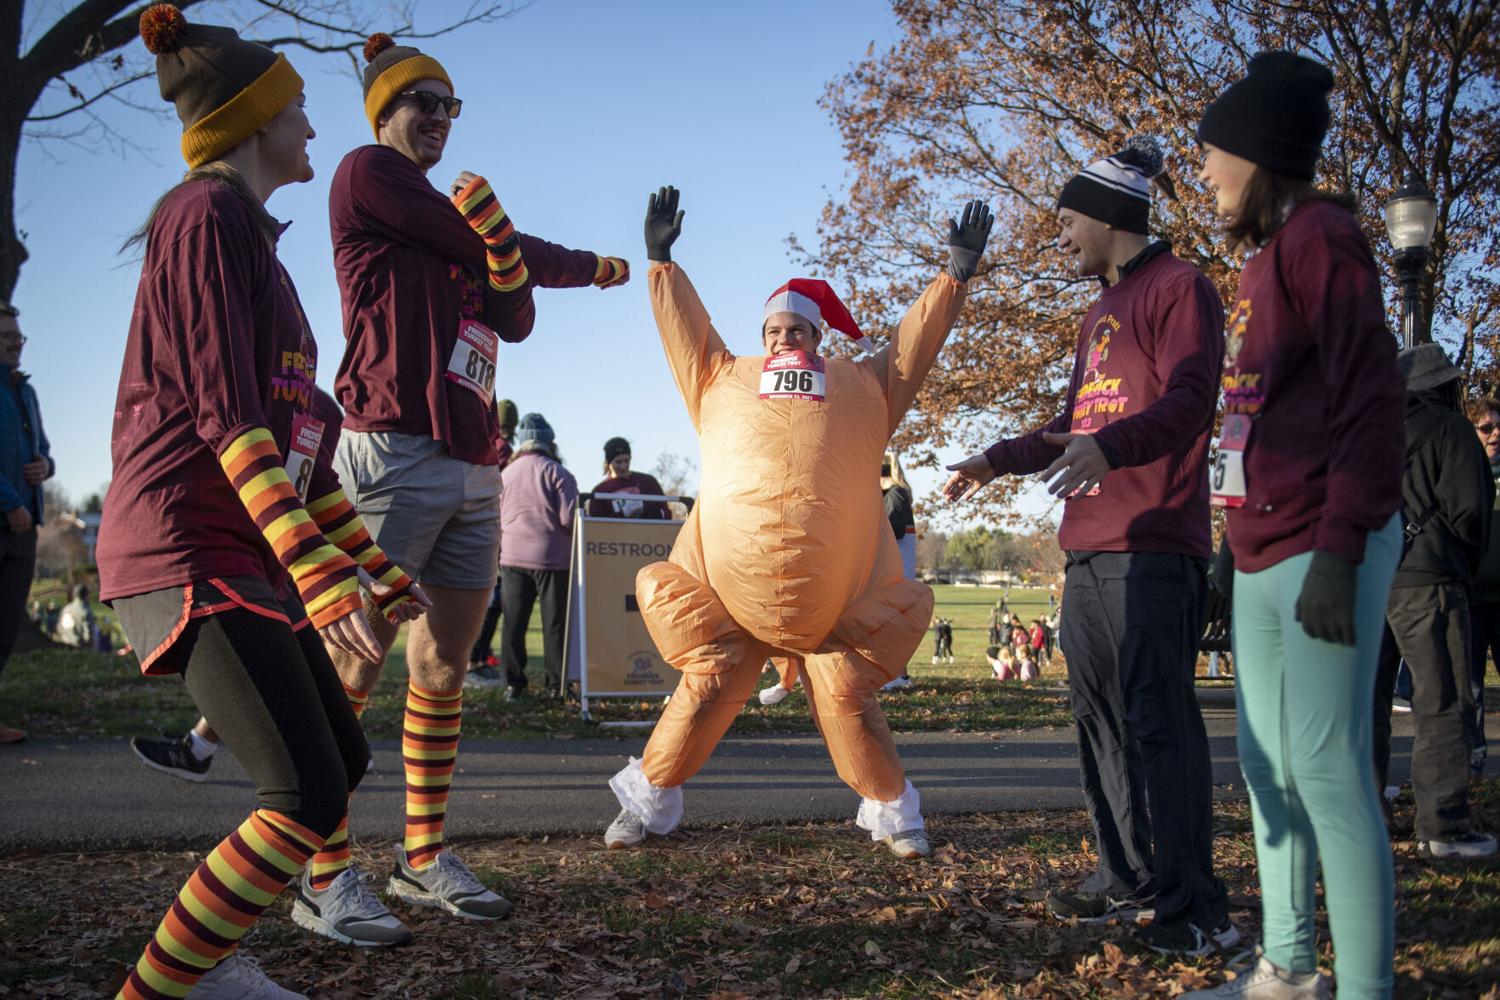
(1309, 470)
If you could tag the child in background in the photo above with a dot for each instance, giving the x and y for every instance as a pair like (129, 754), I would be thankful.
(1002, 662)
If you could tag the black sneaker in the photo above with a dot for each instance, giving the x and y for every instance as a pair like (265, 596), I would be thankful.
(1097, 907)
(174, 757)
(1183, 937)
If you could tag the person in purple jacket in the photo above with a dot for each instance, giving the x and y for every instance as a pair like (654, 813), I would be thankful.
(1309, 470)
(537, 505)
(1129, 455)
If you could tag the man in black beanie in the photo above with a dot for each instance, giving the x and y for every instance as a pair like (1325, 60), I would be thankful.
(1129, 454)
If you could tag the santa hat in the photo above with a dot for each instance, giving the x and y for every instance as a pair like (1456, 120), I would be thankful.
(815, 301)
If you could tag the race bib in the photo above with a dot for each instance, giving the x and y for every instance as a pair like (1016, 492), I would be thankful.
(473, 362)
(302, 452)
(793, 376)
(1227, 476)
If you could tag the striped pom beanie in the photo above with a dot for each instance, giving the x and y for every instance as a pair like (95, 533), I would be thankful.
(1117, 189)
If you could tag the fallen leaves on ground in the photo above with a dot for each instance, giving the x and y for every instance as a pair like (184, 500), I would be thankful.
(802, 910)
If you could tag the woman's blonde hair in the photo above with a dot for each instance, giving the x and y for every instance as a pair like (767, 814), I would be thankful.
(897, 476)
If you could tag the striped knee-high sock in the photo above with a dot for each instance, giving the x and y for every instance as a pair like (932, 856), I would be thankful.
(429, 744)
(219, 903)
(329, 863)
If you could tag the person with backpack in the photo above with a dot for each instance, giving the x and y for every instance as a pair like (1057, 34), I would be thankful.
(1446, 496)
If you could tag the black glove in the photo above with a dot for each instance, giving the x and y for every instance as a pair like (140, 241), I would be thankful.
(1326, 605)
(663, 224)
(1218, 607)
(966, 240)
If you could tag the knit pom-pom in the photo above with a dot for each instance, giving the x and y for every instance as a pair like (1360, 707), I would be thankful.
(160, 25)
(376, 44)
(1144, 153)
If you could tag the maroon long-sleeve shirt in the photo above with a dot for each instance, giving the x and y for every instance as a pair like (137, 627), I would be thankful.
(218, 345)
(409, 271)
(1144, 383)
(1310, 360)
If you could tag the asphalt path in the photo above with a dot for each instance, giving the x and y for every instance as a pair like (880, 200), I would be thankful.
(93, 794)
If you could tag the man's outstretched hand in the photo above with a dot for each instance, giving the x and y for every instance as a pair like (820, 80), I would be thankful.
(663, 224)
(966, 239)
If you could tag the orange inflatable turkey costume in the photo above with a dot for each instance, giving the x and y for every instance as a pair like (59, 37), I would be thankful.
(787, 551)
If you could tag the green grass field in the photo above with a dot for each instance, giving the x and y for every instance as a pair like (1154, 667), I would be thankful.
(65, 693)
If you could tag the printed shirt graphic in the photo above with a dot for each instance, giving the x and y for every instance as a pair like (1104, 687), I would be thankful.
(1244, 390)
(1101, 397)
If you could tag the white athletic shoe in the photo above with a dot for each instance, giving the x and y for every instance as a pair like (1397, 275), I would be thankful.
(347, 912)
(239, 978)
(1471, 845)
(896, 684)
(1268, 982)
(448, 885)
(908, 844)
(774, 695)
(628, 829)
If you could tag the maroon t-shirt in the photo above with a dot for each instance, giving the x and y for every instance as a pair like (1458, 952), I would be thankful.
(409, 271)
(629, 486)
(218, 345)
(1144, 382)
(1310, 360)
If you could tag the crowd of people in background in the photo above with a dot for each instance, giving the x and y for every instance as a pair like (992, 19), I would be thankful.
(265, 542)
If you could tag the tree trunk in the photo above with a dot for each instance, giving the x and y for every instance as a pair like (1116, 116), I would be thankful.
(12, 250)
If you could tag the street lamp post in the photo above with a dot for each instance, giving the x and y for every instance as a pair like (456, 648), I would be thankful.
(1410, 218)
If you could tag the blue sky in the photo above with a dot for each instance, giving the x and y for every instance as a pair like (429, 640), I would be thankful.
(575, 110)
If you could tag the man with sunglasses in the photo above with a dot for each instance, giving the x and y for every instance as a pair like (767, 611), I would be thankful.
(25, 463)
(430, 285)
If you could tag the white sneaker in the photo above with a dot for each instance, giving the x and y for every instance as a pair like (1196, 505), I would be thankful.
(448, 885)
(1268, 982)
(1468, 845)
(908, 844)
(347, 912)
(628, 829)
(774, 695)
(896, 684)
(239, 978)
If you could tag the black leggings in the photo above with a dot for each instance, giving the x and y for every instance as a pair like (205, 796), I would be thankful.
(275, 700)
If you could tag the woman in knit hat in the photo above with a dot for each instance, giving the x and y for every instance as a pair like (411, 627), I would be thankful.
(226, 532)
(538, 498)
(625, 484)
(1309, 470)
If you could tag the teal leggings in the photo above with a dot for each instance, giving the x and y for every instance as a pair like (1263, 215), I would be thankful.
(1304, 745)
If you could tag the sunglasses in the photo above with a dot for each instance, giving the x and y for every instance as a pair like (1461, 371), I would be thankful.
(1486, 427)
(427, 102)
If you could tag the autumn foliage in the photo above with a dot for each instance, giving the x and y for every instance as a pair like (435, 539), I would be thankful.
(1006, 100)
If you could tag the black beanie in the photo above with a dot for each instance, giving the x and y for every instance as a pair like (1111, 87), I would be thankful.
(615, 447)
(1117, 190)
(1276, 116)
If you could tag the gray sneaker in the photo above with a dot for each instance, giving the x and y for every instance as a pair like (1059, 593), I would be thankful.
(628, 830)
(909, 844)
(239, 978)
(447, 884)
(483, 677)
(1268, 982)
(347, 912)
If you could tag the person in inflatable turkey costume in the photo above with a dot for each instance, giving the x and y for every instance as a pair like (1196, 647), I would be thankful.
(788, 552)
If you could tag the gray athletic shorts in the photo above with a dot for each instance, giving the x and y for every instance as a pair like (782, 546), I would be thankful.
(436, 517)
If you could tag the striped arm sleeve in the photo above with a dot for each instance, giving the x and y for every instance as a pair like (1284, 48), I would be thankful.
(481, 209)
(611, 271)
(341, 524)
(325, 577)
